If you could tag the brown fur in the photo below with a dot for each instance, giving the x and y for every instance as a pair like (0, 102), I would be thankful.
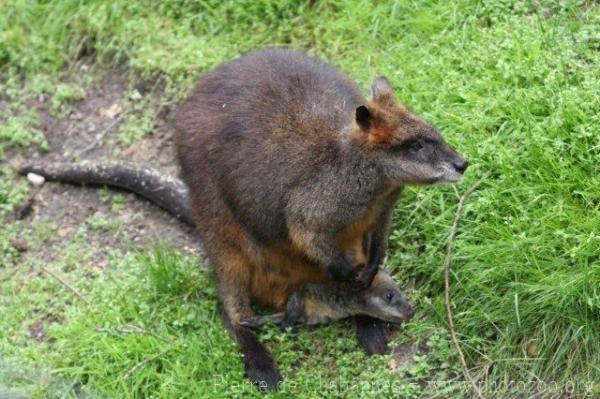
(290, 168)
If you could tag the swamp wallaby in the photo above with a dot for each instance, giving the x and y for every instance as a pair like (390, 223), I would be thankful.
(289, 168)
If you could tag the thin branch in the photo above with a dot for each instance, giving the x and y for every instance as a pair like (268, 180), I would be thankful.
(128, 330)
(447, 263)
(144, 362)
(67, 285)
(102, 134)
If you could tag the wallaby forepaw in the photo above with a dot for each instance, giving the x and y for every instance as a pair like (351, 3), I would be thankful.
(255, 322)
(252, 322)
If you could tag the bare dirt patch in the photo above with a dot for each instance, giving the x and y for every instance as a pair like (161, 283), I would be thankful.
(88, 129)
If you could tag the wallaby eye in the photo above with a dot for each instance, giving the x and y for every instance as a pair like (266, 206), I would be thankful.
(389, 296)
(415, 147)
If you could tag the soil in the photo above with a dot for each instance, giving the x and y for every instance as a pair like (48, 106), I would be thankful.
(88, 130)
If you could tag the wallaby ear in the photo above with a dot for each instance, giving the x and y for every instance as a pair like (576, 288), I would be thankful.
(382, 91)
(371, 127)
(363, 117)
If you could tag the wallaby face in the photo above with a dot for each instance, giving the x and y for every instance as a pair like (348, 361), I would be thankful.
(408, 149)
(386, 301)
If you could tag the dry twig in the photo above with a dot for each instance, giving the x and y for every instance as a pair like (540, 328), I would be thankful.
(144, 362)
(128, 330)
(447, 263)
(101, 135)
(67, 285)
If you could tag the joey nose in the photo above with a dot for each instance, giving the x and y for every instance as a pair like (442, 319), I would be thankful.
(461, 165)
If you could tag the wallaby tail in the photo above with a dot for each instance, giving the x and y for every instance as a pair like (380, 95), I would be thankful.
(165, 191)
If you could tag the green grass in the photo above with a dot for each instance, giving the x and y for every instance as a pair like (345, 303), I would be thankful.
(65, 94)
(137, 123)
(19, 130)
(512, 84)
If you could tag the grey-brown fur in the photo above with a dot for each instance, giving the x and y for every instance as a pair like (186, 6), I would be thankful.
(165, 191)
(290, 168)
(328, 301)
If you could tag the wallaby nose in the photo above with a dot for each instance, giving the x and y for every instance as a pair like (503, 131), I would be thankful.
(461, 165)
(409, 312)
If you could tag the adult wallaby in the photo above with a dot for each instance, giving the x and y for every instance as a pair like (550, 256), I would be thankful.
(289, 169)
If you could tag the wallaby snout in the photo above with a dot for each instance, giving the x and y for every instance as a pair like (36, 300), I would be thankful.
(407, 311)
(461, 165)
(452, 164)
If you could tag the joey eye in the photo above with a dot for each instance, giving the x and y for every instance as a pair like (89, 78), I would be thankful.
(415, 147)
(389, 296)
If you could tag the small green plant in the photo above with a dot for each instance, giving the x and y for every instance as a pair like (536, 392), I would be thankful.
(135, 127)
(118, 203)
(21, 130)
(99, 222)
(11, 192)
(104, 194)
(64, 94)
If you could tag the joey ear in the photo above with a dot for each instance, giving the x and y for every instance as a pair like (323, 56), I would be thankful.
(363, 117)
(382, 91)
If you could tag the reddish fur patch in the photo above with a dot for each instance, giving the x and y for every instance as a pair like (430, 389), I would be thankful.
(386, 119)
(350, 239)
(380, 135)
(279, 271)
